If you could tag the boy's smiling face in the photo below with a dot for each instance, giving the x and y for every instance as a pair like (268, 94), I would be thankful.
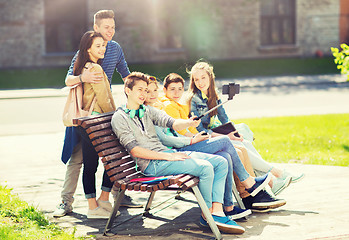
(137, 95)
(106, 27)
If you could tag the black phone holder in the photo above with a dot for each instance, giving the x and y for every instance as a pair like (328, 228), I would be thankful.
(231, 89)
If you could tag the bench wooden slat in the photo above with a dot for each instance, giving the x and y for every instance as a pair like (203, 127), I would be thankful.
(125, 167)
(86, 121)
(137, 187)
(189, 184)
(115, 164)
(115, 156)
(176, 178)
(111, 151)
(102, 133)
(98, 127)
(144, 187)
(130, 186)
(115, 175)
(109, 145)
(109, 138)
(184, 179)
(97, 119)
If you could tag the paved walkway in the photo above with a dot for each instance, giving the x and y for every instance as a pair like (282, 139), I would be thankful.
(244, 83)
(317, 207)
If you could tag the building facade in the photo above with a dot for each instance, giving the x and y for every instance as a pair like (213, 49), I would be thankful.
(41, 33)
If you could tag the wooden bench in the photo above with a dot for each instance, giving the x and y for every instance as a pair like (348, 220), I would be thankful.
(121, 169)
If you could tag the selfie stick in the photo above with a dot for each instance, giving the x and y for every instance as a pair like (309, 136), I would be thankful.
(212, 109)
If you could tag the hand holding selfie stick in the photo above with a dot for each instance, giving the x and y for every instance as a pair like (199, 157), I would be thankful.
(231, 89)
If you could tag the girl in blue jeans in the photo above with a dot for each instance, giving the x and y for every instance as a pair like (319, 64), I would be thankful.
(203, 97)
(221, 146)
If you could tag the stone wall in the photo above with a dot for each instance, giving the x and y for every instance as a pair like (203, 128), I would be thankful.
(213, 29)
(22, 37)
(317, 26)
(20, 32)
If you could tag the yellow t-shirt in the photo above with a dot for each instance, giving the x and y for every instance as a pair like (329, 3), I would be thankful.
(177, 111)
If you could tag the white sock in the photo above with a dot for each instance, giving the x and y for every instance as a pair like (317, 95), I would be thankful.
(219, 214)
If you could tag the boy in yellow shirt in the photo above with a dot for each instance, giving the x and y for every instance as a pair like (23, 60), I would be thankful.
(174, 89)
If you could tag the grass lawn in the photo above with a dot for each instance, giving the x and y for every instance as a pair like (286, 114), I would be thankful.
(18, 220)
(314, 139)
(54, 77)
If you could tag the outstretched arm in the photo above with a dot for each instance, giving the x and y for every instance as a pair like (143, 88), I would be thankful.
(180, 124)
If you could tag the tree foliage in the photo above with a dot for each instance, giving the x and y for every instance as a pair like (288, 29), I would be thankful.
(341, 58)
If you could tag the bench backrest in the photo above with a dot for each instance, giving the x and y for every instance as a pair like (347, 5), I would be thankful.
(117, 161)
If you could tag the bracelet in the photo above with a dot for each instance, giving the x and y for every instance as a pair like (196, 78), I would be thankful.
(80, 78)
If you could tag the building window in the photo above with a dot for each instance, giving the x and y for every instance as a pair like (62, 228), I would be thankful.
(278, 22)
(65, 23)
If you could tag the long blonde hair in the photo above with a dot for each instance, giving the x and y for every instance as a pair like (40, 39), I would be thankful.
(212, 94)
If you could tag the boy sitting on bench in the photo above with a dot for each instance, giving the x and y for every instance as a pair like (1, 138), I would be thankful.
(134, 127)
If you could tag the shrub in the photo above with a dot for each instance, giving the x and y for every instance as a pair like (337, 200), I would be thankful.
(341, 58)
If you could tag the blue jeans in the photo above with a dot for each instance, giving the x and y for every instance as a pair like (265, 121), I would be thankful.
(222, 146)
(211, 170)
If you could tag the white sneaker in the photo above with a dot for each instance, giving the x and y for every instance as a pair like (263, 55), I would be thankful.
(279, 184)
(98, 213)
(62, 210)
(295, 177)
(106, 205)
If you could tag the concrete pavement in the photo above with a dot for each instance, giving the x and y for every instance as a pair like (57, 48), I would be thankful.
(244, 83)
(317, 207)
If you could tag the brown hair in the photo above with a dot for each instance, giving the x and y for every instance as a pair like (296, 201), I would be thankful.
(173, 78)
(102, 14)
(134, 77)
(83, 56)
(212, 94)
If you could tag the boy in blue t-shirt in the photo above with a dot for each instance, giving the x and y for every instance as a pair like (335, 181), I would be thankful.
(114, 58)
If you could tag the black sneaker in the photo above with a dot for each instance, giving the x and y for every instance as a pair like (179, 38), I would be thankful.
(128, 202)
(260, 184)
(237, 213)
(262, 201)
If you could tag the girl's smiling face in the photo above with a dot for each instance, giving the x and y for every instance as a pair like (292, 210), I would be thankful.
(201, 80)
(97, 49)
(152, 94)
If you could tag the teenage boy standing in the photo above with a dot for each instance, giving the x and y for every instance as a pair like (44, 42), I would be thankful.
(104, 23)
(135, 128)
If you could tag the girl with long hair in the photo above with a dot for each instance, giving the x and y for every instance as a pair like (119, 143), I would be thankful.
(98, 95)
(203, 97)
(247, 185)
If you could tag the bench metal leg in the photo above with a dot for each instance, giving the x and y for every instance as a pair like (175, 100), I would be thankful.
(148, 205)
(207, 213)
(117, 202)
